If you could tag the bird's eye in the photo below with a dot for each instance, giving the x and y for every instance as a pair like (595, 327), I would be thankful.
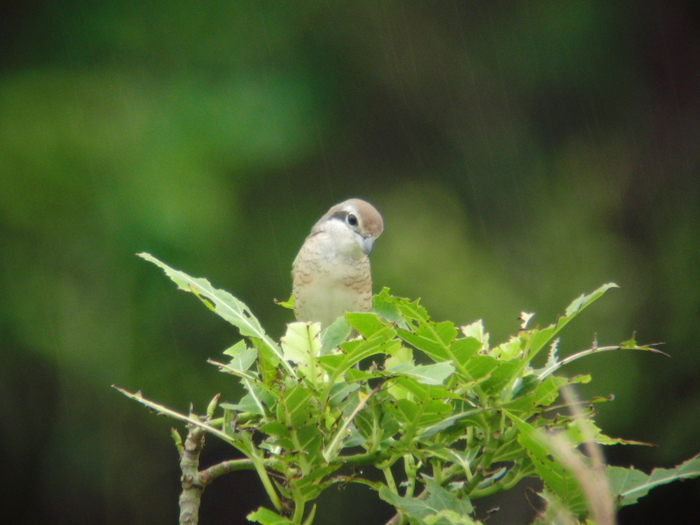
(352, 220)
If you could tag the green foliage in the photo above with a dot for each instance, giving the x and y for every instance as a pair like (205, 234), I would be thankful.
(458, 419)
(629, 484)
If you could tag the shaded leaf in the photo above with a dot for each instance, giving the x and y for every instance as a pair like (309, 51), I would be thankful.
(544, 458)
(439, 508)
(268, 517)
(628, 485)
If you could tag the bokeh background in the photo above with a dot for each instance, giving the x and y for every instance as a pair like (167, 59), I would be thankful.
(521, 152)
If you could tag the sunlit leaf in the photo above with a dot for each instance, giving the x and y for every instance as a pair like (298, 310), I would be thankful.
(367, 324)
(302, 347)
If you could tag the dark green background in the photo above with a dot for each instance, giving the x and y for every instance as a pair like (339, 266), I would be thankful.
(521, 152)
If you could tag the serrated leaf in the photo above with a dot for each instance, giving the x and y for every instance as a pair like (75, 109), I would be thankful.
(422, 391)
(434, 349)
(544, 394)
(366, 323)
(542, 337)
(376, 425)
(509, 350)
(293, 407)
(628, 485)
(347, 432)
(356, 351)
(553, 364)
(242, 357)
(411, 310)
(254, 401)
(476, 331)
(301, 345)
(223, 303)
(384, 305)
(555, 476)
(582, 430)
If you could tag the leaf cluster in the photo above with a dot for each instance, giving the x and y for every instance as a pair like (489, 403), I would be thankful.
(445, 417)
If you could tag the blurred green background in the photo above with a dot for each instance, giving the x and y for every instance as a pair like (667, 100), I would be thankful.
(521, 152)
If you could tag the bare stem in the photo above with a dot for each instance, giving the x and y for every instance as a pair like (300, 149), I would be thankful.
(192, 488)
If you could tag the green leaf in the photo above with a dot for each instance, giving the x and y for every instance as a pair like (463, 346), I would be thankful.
(223, 303)
(311, 486)
(481, 366)
(335, 334)
(254, 401)
(439, 508)
(302, 346)
(543, 455)
(403, 356)
(501, 377)
(289, 304)
(384, 305)
(434, 349)
(411, 310)
(310, 442)
(425, 374)
(367, 324)
(584, 429)
(268, 517)
(422, 391)
(628, 485)
(541, 337)
(376, 425)
(340, 391)
(476, 331)
(276, 428)
(464, 349)
(294, 406)
(423, 415)
(509, 350)
(242, 357)
(554, 364)
(542, 395)
(356, 351)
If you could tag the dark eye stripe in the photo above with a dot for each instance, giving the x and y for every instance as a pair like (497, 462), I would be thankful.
(347, 217)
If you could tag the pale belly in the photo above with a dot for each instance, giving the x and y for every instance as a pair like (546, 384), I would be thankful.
(325, 300)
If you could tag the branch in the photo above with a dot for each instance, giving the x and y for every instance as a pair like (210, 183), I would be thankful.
(192, 487)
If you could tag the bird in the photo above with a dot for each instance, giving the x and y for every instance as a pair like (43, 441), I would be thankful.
(332, 273)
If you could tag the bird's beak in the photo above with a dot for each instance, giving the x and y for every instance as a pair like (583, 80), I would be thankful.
(366, 244)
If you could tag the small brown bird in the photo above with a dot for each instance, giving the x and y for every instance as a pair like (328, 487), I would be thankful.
(331, 272)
